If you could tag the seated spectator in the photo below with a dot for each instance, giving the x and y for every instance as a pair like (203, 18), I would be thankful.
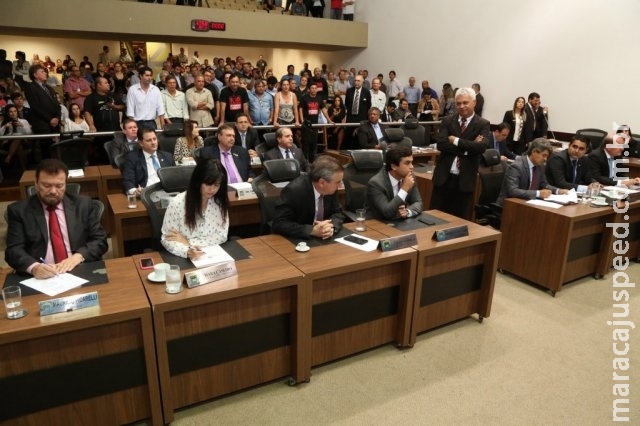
(246, 136)
(141, 165)
(428, 107)
(308, 205)
(298, 8)
(286, 149)
(390, 114)
(392, 193)
(403, 110)
(186, 144)
(371, 133)
(12, 125)
(69, 223)
(525, 177)
(498, 141)
(235, 159)
(634, 145)
(337, 114)
(198, 217)
(569, 169)
(603, 163)
(76, 121)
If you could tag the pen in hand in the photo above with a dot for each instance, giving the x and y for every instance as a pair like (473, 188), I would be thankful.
(51, 268)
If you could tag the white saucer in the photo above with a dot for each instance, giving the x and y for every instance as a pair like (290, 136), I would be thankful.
(152, 277)
(303, 250)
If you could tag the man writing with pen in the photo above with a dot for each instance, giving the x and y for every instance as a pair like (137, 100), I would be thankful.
(51, 232)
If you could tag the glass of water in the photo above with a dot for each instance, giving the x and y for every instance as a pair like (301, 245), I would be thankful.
(174, 280)
(12, 296)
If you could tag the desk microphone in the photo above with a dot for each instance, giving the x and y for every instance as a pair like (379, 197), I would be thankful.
(544, 114)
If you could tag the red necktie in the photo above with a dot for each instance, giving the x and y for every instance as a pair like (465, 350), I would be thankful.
(57, 243)
(534, 178)
(463, 127)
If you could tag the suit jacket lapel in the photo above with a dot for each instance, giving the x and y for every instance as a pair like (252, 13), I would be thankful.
(70, 217)
(38, 214)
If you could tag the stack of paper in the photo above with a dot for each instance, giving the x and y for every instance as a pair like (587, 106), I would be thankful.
(210, 256)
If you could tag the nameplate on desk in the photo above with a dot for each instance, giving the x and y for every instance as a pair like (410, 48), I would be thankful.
(210, 274)
(69, 303)
(244, 194)
(451, 233)
(395, 243)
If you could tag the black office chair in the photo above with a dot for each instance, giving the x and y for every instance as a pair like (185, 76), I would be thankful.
(595, 136)
(72, 152)
(173, 180)
(261, 149)
(395, 136)
(210, 140)
(196, 153)
(98, 208)
(72, 188)
(119, 160)
(365, 163)
(281, 170)
(414, 131)
(270, 140)
(491, 173)
(168, 137)
(109, 148)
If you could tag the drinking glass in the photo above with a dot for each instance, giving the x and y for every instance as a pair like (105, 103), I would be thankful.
(174, 280)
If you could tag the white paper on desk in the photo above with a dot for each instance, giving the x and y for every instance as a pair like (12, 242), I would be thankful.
(211, 256)
(623, 189)
(74, 173)
(370, 245)
(570, 197)
(55, 285)
(543, 203)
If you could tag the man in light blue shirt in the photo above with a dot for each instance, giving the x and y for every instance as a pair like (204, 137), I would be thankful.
(260, 105)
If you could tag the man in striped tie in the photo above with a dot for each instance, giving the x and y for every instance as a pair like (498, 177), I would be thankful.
(462, 139)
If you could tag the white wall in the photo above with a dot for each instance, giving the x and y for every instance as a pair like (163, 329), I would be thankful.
(580, 55)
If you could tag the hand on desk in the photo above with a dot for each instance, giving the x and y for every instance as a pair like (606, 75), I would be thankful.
(545, 193)
(42, 270)
(322, 229)
(194, 252)
(402, 211)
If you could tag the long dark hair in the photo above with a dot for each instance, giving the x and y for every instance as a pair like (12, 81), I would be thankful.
(188, 133)
(6, 119)
(207, 171)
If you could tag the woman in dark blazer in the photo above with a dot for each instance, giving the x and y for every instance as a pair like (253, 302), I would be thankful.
(516, 118)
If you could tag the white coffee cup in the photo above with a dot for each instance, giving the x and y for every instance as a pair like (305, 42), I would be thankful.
(160, 271)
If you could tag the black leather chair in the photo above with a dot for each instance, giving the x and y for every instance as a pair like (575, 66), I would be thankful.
(275, 171)
(173, 180)
(595, 136)
(414, 131)
(491, 173)
(395, 136)
(168, 137)
(365, 163)
(270, 140)
(72, 152)
(71, 188)
(210, 140)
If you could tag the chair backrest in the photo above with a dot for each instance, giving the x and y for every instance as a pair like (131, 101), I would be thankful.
(261, 149)
(395, 136)
(210, 140)
(365, 163)
(154, 199)
(175, 178)
(167, 142)
(415, 132)
(270, 140)
(72, 152)
(118, 160)
(491, 157)
(595, 136)
(72, 188)
(196, 153)
(268, 195)
(98, 207)
(282, 169)
(109, 148)
(173, 129)
(490, 183)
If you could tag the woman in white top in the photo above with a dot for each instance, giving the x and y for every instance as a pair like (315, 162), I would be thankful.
(75, 122)
(198, 217)
(516, 119)
(13, 125)
(285, 106)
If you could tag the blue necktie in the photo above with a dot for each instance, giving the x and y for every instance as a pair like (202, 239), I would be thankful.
(575, 169)
(155, 163)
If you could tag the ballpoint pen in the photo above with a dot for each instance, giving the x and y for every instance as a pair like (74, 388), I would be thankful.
(44, 262)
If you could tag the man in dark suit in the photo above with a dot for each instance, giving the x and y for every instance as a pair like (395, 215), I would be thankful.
(246, 137)
(286, 149)
(604, 161)
(390, 114)
(536, 125)
(569, 169)
(235, 159)
(45, 109)
(498, 142)
(392, 193)
(371, 133)
(525, 177)
(357, 101)
(141, 165)
(479, 99)
(462, 139)
(36, 247)
(308, 206)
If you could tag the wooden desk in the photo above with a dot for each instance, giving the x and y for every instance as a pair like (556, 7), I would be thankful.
(359, 300)
(424, 181)
(455, 278)
(111, 180)
(90, 184)
(231, 334)
(550, 247)
(134, 224)
(93, 366)
(418, 157)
